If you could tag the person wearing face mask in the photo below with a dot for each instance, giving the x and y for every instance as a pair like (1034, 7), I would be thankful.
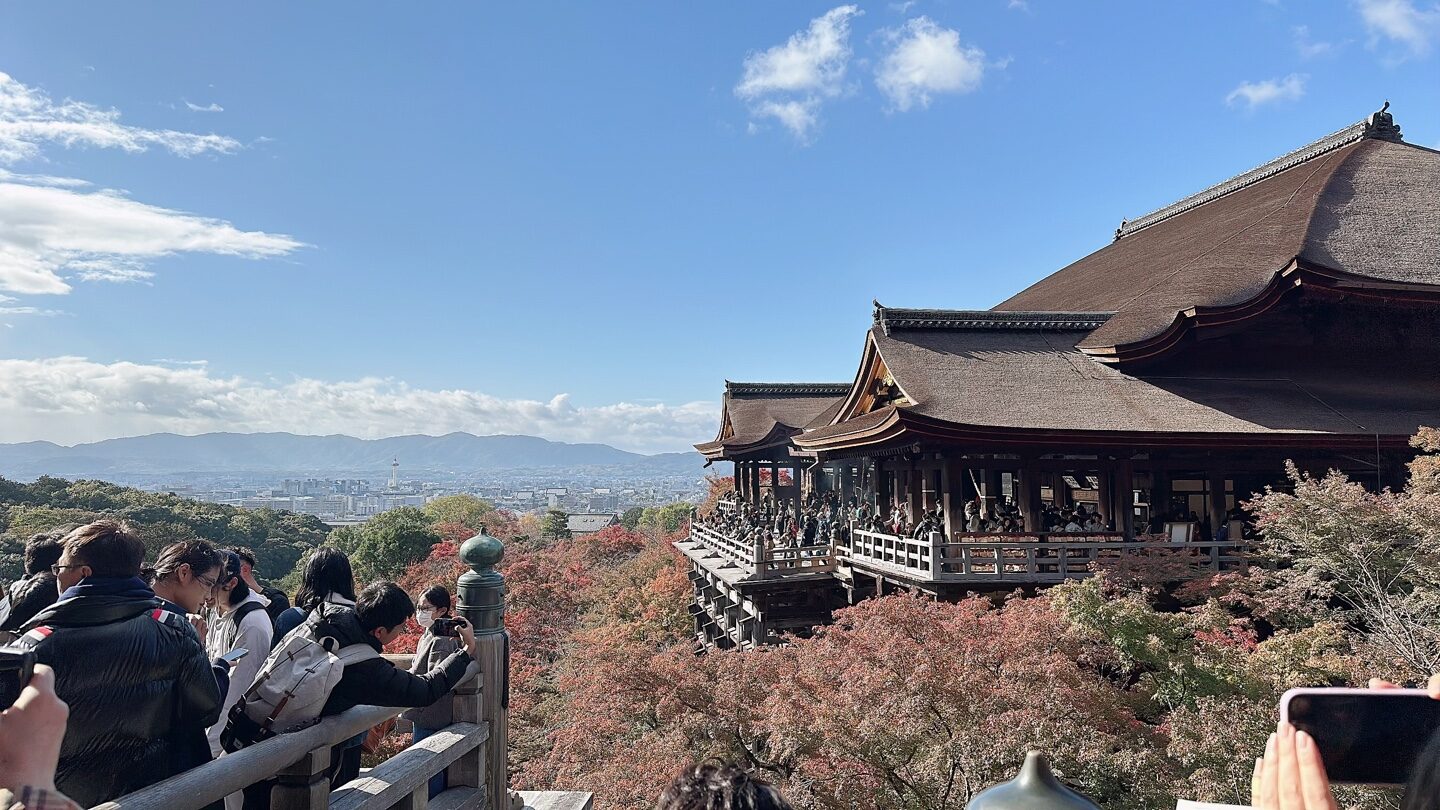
(433, 604)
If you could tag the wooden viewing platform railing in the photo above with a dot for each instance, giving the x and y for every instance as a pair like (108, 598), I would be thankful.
(760, 561)
(1036, 557)
(471, 751)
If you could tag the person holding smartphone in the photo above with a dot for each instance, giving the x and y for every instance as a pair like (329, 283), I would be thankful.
(432, 606)
(1291, 775)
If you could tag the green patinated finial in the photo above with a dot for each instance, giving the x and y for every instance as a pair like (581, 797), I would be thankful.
(482, 552)
(482, 588)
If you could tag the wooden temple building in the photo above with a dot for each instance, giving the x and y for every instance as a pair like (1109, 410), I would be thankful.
(1289, 313)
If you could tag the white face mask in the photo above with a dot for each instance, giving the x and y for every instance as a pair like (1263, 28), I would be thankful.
(425, 618)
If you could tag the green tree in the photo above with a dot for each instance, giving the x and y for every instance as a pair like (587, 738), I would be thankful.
(556, 525)
(668, 518)
(384, 545)
(631, 518)
(467, 510)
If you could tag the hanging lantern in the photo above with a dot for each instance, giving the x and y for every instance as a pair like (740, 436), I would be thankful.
(1034, 788)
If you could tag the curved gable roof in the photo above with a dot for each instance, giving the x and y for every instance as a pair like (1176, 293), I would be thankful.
(1355, 202)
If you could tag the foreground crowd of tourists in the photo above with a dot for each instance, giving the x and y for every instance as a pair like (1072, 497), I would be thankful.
(136, 677)
(144, 660)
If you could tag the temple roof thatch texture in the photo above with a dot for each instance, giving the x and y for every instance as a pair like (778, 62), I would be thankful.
(1369, 207)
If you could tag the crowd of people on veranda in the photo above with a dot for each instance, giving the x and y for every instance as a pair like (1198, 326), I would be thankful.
(826, 517)
(143, 658)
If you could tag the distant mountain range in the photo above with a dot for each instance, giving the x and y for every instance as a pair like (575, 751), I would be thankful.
(169, 454)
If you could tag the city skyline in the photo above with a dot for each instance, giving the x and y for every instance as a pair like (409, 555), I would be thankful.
(500, 221)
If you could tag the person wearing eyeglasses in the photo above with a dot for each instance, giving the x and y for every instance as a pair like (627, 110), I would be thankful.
(127, 661)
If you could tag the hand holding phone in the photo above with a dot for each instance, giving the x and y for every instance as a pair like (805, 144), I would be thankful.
(31, 731)
(1365, 736)
(16, 668)
(234, 655)
(448, 627)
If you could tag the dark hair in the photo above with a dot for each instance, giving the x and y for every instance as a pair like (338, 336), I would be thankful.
(200, 555)
(42, 551)
(716, 785)
(230, 569)
(109, 547)
(383, 604)
(436, 595)
(327, 571)
(245, 554)
(1423, 790)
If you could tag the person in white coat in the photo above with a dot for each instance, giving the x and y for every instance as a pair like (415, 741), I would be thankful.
(240, 621)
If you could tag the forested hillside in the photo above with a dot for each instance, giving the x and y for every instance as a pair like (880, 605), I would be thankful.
(278, 538)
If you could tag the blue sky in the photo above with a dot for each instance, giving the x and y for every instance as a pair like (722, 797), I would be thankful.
(576, 220)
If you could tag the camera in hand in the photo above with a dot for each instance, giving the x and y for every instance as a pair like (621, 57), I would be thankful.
(16, 668)
(448, 627)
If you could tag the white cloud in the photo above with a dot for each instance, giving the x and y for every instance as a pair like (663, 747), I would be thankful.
(211, 107)
(1254, 94)
(789, 82)
(812, 60)
(1402, 22)
(52, 233)
(927, 59)
(29, 118)
(800, 117)
(1018, 5)
(42, 180)
(1307, 47)
(71, 399)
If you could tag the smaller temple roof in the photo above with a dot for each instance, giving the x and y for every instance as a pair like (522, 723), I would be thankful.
(758, 416)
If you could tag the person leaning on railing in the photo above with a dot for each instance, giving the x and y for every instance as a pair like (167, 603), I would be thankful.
(380, 614)
(132, 671)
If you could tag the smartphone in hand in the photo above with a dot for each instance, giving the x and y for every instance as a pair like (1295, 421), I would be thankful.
(234, 655)
(1365, 736)
(17, 666)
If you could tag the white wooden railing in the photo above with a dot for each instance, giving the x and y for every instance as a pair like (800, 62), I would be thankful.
(763, 562)
(1031, 557)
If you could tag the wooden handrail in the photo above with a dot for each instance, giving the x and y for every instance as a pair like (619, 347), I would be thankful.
(410, 770)
(214, 781)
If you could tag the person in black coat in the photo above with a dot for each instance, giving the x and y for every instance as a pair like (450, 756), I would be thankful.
(140, 689)
(379, 617)
(37, 590)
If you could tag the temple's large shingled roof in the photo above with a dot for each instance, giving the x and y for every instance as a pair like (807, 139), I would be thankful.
(1035, 379)
(1358, 201)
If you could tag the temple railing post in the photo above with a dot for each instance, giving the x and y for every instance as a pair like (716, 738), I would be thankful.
(304, 785)
(486, 699)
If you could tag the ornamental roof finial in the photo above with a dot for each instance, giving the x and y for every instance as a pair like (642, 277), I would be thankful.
(1381, 125)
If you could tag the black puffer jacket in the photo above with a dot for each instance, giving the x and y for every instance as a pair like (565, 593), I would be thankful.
(378, 682)
(28, 597)
(140, 690)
